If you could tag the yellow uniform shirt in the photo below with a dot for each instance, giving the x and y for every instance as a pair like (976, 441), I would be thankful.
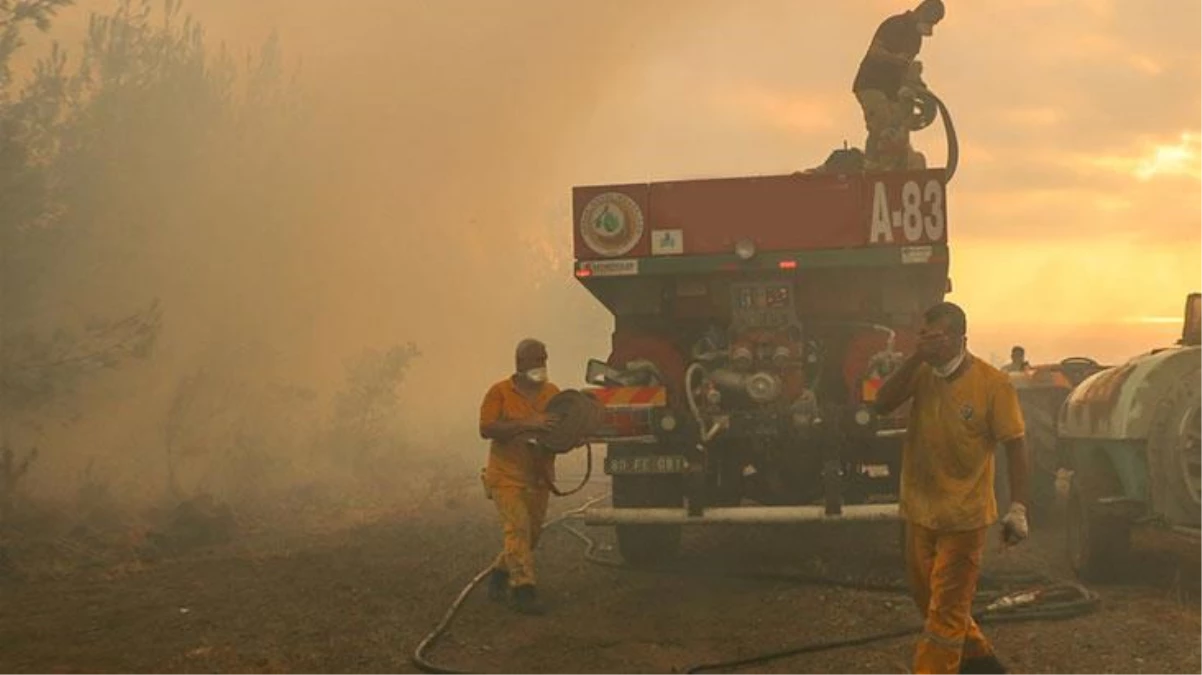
(948, 458)
(513, 464)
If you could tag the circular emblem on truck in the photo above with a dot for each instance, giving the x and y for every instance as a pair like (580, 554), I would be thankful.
(611, 224)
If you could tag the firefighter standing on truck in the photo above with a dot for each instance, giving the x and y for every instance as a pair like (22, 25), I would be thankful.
(881, 85)
(961, 409)
(518, 475)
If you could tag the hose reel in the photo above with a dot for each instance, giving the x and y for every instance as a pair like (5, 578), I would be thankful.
(579, 417)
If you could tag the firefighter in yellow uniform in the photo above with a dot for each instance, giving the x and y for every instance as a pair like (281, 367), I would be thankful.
(961, 410)
(518, 476)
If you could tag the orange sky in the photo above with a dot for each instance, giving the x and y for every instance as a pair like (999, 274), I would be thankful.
(458, 127)
(1077, 201)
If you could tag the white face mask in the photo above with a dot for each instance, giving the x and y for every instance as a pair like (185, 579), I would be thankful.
(536, 375)
(945, 371)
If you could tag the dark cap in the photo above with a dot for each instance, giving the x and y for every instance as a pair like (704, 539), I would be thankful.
(931, 10)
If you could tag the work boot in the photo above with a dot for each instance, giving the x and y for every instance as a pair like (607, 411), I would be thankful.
(525, 601)
(498, 585)
(982, 664)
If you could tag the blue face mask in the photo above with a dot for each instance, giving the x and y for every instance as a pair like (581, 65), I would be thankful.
(536, 375)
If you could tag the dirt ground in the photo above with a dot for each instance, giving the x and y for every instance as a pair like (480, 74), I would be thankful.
(359, 599)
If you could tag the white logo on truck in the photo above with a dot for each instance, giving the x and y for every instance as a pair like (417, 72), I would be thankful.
(611, 224)
(920, 218)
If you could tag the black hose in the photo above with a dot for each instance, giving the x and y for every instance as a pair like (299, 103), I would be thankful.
(727, 666)
(1055, 601)
(1084, 602)
(588, 472)
(953, 143)
(578, 417)
(1049, 600)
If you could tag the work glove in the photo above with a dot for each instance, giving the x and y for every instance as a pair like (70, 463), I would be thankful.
(1014, 524)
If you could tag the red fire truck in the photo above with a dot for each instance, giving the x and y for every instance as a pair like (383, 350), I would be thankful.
(754, 320)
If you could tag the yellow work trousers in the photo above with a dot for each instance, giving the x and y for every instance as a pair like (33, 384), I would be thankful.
(523, 511)
(943, 569)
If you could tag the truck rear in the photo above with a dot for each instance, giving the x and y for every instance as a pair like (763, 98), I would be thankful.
(754, 320)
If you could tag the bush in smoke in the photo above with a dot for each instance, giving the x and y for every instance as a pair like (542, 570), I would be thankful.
(367, 422)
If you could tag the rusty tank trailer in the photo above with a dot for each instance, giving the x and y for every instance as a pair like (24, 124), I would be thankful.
(1131, 436)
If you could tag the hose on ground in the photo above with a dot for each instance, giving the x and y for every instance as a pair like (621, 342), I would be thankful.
(1047, 600)
(419, 658)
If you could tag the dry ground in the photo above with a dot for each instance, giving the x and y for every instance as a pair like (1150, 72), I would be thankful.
(359, 598)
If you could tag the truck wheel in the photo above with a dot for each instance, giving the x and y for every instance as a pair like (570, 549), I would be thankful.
(646, 545)
(1175, 442)
(1099, 545)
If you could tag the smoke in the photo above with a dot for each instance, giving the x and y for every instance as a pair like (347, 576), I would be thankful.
(420, 190)
(416, 190)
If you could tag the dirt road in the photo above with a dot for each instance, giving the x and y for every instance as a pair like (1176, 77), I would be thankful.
(360, 599)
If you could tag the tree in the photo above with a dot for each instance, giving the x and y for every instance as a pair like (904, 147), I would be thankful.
(367, 411)
(41, 362)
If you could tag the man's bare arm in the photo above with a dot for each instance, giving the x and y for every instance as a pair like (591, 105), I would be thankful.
(507, 430)
(896, 390)
(1019, 463)
(502, 430)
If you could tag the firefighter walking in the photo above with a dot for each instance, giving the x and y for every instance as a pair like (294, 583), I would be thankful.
(961, 409)
(518, 476)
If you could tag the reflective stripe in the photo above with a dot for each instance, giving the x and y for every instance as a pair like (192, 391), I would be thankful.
(949, 643)
(630, 396)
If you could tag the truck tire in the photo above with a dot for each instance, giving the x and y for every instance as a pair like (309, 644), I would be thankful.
(1099, 544)
(1175, 451)
(648, 545)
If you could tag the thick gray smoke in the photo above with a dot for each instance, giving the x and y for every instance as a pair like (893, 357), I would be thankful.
(405, 180)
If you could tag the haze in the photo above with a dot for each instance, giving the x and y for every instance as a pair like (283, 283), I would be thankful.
(447, 137)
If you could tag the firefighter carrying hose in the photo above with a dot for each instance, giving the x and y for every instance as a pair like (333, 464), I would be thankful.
(961, 409)
(518, 476)
(886, 85)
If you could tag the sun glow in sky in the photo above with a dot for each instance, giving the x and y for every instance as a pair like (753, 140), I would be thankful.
(1180, 159)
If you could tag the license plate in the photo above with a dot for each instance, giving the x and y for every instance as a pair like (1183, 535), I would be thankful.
(649, 464)
(877, 470)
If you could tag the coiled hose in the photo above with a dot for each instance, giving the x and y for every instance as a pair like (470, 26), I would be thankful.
(578, 417)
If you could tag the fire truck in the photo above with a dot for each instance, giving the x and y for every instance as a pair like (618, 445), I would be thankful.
(755, 318)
